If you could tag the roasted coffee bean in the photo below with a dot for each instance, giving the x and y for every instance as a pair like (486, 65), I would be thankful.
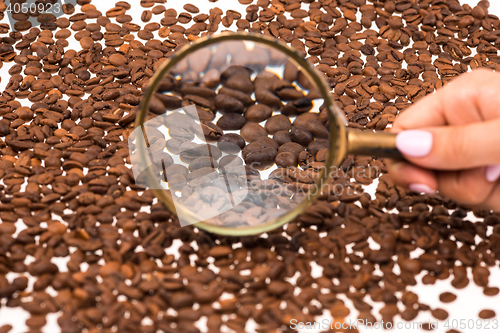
(241, 96)
(173, 145)
(252, 131)
(259, 155)
(191, 8)
(211, 131)
(240, 82)
(266, 97)
(235, 70)
(258, 112)
(278, 123)
(231, 121)
(226, 104)
(286, 159)
(282, 137)
(181, 134)
(315, 146)
(291, 147)
(447, 297)
(301, 135)
(117, 59)
(230, 161)
(202, 162)
(190, 151)
(267, 142)
(231, 143)
(439, 314)
(177, 169)
(487, 314)
(491, 291)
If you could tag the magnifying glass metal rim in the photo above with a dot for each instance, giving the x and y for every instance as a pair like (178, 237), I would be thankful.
(337, 138)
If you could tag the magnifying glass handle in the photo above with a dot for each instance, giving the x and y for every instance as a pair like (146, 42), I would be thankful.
(379, 144)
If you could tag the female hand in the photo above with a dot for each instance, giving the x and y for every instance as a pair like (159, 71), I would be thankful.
(452, 139)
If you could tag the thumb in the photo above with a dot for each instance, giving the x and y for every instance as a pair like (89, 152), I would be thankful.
(452, 147)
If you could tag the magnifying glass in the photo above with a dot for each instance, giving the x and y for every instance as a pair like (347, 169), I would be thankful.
(238, 134)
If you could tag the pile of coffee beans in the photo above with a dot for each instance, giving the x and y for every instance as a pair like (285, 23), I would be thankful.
(65, 174)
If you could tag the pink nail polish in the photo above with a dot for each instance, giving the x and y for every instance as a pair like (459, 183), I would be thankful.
(414, 143)
(421, 188)
(493, 173)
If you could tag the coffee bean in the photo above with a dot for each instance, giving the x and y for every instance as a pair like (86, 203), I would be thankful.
(231, 143)
(190, 151)
(177, 169)
(301, 135)
(240, 83)
(181, 134)
(211, 131)
(230, 161)
(282, 137)
(258, 112)
(117, 59)
(286, 159)
(259, 155)
(266, 97)
(252, 131)
(439, 314)
(5, 328)
(487, 314)
(447, 297)
(315, 146)
(267, 142)
(191, 8)
(291, 147)
(231, 121)
(278, 123)
(173, 145)
(202, 162)
(241, 96)
(491, 291)
(226, 104)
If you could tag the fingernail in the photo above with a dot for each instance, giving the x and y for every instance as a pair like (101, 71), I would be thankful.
(493, 173)
(414, 143)
(421, 188)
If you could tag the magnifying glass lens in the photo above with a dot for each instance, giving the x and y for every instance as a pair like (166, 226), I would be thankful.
(236, 136)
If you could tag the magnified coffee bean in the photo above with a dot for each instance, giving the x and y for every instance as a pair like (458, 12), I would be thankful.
(177, 169)
(228, 104)
(174, 145)
(259, 155)
(231, 121)
(211, 131)
(301, 135)
(291, 147)
(190, 151)
(286, 159)
(282, 137)
(252, 131)
(181, 134)
(229, 160)
(231, 143)
(202, 162)
(258, 112)
(278, 123)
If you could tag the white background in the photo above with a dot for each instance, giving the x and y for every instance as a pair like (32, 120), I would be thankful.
(468, 304)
